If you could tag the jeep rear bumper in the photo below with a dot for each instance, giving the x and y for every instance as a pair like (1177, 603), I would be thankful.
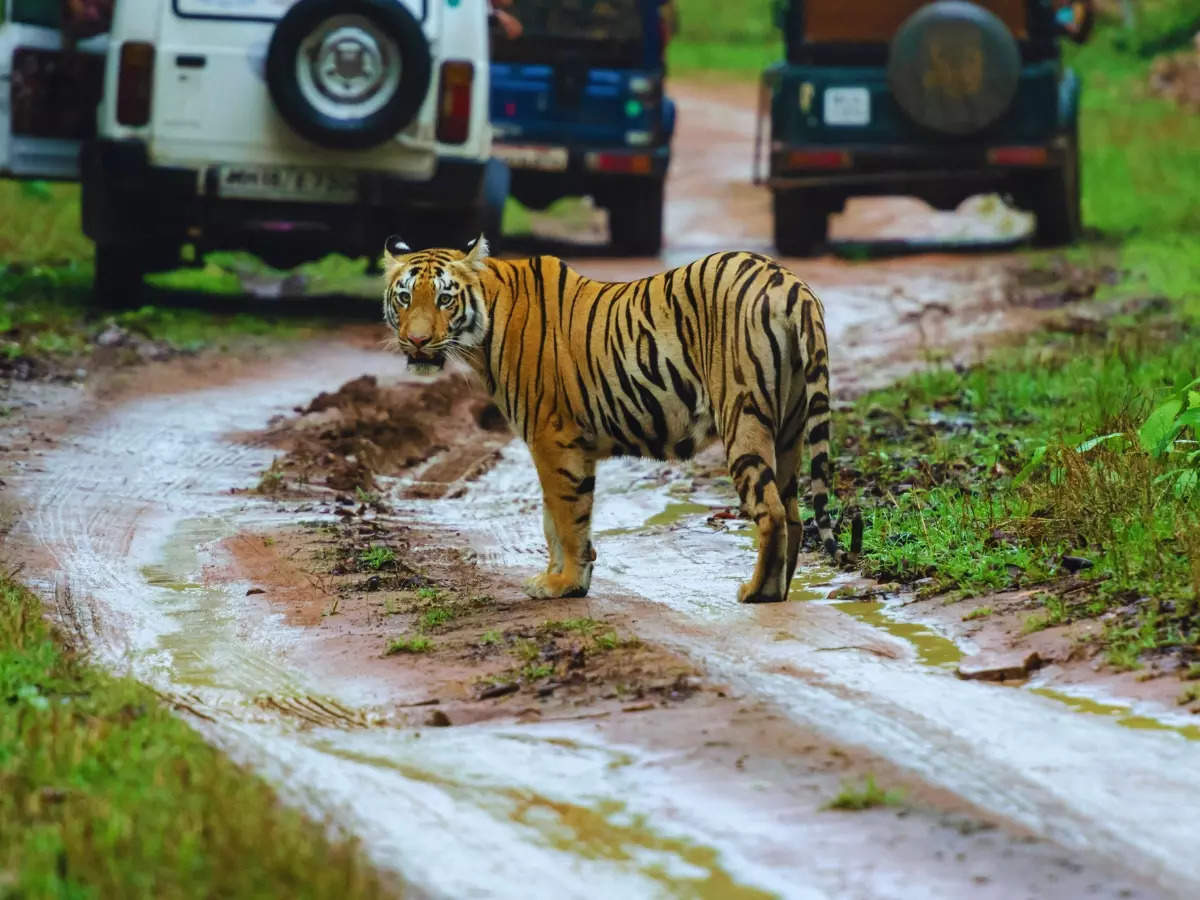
(861, 166)
(127, 200)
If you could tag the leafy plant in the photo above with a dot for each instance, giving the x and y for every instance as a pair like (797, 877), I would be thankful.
(376, 557)
(438, 615)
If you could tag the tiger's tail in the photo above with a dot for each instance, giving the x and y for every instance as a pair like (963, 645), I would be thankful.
(818, 422)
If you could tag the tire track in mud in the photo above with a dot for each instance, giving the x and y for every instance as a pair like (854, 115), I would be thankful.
(125, 511)
(1077, 780)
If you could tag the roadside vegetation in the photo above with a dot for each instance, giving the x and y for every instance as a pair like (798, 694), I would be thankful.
(1071, 464)
(105, 793)
(718, 37)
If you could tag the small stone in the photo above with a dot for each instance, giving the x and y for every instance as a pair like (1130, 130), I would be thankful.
(999, 665)
(438, 719)
(255, 590)
(112, 336)
(843, 592)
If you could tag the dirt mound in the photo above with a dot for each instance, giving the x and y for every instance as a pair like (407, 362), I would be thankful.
(1177, 77)
(345, 438)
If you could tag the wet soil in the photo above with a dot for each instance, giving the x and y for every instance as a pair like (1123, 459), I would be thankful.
(345, 439)
(216, 528)
(443, 641)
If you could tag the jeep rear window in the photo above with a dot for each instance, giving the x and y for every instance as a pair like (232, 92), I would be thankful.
(251, 10)
(36, 12)
(591, 31)
(234, 9)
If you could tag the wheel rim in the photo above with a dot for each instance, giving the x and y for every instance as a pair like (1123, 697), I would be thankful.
(347, 68)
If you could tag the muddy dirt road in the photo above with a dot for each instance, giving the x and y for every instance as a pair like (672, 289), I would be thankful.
(714, 785)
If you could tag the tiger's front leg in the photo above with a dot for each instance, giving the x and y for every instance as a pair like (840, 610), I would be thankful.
(568, 478)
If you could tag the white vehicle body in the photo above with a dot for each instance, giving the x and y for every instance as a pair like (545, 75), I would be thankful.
(220, 112)
(292, 128)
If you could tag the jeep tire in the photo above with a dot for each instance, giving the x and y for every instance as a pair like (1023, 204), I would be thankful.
(1053, 196)
(117, 282)
(635, 217)
(367, 74)
(802, 219)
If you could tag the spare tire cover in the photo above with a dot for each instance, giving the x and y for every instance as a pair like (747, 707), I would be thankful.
(348, 73)
(953, 67)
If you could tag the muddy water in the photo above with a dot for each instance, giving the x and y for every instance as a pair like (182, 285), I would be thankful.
(125, 516)
(122, 520)
(858, 677)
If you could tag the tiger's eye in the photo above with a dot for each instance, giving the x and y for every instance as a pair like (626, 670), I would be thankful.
(445, 301)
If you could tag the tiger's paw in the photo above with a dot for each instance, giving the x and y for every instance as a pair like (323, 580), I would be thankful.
(749, 593)
(554, 585)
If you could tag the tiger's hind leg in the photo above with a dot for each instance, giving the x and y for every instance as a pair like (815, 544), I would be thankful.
(752, 466)
(568, 482)
(789, 461)
(789, 450)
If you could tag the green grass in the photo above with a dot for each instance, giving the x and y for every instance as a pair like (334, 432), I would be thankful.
(856, 797)
(40, 225)
(106, 793)
(45, 312)
(981, 612)
(536, 671)
(984, 479)
(437, 616)
(409, 644)
(376, 557)
(715, 36)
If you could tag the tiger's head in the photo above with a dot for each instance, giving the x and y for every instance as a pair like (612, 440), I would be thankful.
(433, 301)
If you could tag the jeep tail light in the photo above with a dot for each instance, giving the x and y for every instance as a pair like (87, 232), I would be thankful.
(819, 159)
(622, 163)
(454, 101)
(1018, 156)
(135, 83)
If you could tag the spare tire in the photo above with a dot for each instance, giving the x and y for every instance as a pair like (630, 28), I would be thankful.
(348, 73)
(954, 67)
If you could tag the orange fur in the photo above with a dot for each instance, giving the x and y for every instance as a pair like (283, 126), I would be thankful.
(731, 346)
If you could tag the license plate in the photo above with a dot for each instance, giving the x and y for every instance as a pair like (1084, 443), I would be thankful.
(523, 156)
(280, 183)
(847, 106)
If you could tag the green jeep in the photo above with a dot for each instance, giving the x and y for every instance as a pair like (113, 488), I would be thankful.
(938, 100)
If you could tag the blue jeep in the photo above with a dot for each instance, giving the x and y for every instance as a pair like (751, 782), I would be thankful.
(937, 100)
(578, 109)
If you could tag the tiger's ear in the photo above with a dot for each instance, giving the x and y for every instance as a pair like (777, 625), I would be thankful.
(477, 252)
(394, 246)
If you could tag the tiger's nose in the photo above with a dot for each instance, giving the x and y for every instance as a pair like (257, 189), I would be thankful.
(418, 340)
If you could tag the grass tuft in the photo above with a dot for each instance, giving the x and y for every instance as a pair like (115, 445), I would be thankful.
(867, 795)
(409, 644)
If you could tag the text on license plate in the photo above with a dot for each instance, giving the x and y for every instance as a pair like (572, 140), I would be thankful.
(280, 183)
(847, 106)
(522, 156)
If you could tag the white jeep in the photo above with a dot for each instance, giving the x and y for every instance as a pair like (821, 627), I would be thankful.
(290, 128)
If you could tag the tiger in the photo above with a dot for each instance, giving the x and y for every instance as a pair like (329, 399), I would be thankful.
(731, 346)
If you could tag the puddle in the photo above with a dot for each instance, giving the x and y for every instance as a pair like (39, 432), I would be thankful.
(609, 831)
(932, 649)
(1122, 715)
(940, 652)
(676, 512)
